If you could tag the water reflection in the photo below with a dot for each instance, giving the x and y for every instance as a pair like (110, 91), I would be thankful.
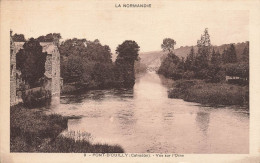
(53, 102)
(126, 120)
(203, 119)
(97, 95)
(144, 119)
(166, 82)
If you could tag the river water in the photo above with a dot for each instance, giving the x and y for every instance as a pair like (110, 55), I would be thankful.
(144, 119)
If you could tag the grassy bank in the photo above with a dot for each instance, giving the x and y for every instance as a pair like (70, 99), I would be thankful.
(213, 94)
(33, 131)
(74, 88)
(70, 88)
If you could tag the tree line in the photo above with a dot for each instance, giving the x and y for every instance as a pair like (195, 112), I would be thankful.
(89, 63)
(84, 63)
(206, 64)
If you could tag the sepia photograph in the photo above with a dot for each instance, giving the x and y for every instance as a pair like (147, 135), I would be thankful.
(144, 79)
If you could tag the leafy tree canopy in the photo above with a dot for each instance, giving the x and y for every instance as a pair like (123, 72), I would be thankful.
(168, 45)
(245, 54)
(18, 38)
(85, 62)
(51, 37)
(127, 55)
(31, 62)
(128, 51)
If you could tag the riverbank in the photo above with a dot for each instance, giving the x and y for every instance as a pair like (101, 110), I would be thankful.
(212, 94)
(74, 88)
(31, 130)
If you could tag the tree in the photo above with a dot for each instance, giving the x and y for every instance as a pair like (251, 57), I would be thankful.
(231, 54)
(204, 47)
(74, 68)
(224, 56)
(168, 45)
(127, 55)
(181, 64)
(128, 51)
(31, 62)
(172, 66)
(189, 63)
(18, 38)
(245, 54)
(205, 39)
(215, 73)
(72, 47)
(71, 52)
(215, 58)
(49, 37)
(86, 63)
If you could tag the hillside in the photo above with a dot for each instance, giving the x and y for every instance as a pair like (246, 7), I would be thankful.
(153, 59)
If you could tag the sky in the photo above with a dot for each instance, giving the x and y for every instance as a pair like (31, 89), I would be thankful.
(148, 27)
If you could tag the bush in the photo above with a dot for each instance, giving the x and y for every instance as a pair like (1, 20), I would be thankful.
(181, 87)
(202, 74)
(188, 75)
(32, 130)
(36, 97)
(67, 145)
(238, 81)
(211, 93)
(29, 127)
(238, 69)
(215, 75)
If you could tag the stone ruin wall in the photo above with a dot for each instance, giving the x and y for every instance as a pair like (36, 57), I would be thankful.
(56, 72)
(12, 73)
(52, 68)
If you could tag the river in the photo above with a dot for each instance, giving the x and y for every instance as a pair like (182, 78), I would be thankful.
(144, 120)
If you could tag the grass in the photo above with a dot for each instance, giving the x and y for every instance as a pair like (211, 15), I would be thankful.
(213, 94)
(67, 145)
(29, 127)
(33, 131)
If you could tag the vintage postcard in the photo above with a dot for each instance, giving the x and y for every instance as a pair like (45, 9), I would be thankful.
(130, 81)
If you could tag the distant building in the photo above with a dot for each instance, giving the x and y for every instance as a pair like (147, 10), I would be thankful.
(52, 69)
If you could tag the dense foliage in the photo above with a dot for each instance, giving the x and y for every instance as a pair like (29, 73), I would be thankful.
(49, 37)
(140, 67)
(86, 63)
(213, 94)
(35, 131)
(18, 38)
(31, 62)
(168, 45)
(125, 61)
(207, 64)
(36, 97)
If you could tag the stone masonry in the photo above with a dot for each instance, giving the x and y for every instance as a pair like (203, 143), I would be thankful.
(52, 68)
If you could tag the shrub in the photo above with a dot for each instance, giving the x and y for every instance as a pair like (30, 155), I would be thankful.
(36, 97)
(211, 93)
(215, 75)
(238, 69)
(188, 75)
(34, 131)
(67, 145)
(30, 127)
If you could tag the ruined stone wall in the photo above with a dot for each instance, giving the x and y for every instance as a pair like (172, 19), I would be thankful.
(52, 68)
(48, 66)
(55, 71)
(52, 65)
(12, 73)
